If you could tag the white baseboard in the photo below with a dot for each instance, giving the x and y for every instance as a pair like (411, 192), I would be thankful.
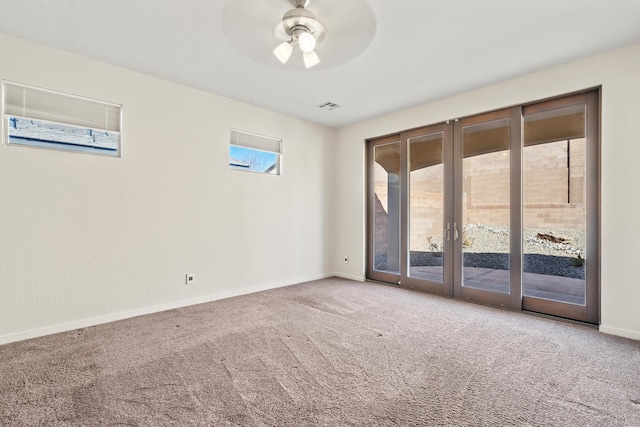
(625, 333)
(350, 277)
(93, 321)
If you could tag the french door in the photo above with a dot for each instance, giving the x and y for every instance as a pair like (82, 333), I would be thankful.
(499, 208)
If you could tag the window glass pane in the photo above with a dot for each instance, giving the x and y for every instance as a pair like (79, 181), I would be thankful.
(554, 209)
(486, 206)
(426, 207)
(250, 152)
(386, 176)
(41, 134)
(251, 160)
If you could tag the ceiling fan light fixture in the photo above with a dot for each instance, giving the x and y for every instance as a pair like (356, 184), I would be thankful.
(303, 29)
(307, 42)
(283, 51)
(310, 59)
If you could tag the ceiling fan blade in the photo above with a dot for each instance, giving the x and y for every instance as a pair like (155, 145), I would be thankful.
(310, 59)
(283, 52)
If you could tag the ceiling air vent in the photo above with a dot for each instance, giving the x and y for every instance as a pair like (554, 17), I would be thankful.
(328, 105)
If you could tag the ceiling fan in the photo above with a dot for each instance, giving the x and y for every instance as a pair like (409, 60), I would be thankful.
(303, 30)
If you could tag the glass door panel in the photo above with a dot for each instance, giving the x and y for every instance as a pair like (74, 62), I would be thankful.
(484, 233)
(500, 208)
(426, 207)
(554, 205)
(386, 208)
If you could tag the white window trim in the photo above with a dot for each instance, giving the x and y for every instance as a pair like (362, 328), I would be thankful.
(49, 106)
(256, 142)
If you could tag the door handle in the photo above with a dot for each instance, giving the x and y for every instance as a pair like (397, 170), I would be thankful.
(455, 231)
(447, 232)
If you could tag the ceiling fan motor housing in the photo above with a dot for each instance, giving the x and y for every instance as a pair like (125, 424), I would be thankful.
(299, 19)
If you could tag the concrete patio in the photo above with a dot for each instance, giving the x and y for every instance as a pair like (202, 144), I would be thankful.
(556, 288)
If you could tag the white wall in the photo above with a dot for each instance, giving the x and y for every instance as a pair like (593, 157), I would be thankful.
(86, 239)
(619, 74)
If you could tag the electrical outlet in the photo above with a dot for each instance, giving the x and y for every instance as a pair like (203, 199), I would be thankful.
(190, 279)
(346, 260)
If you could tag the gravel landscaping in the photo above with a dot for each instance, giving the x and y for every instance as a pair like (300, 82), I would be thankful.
(488, 247)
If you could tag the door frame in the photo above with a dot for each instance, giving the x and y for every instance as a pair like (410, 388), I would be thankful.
(513, 299)
(371, 272)
(590, 312)
(452, 160)
(446, 287)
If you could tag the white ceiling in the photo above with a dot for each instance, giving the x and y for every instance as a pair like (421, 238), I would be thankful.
(412, 52)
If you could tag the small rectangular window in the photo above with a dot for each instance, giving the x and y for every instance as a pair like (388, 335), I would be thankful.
(46, 119)
(254, 153)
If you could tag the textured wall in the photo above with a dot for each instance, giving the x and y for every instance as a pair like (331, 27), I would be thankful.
(617, 73)
(86, 239)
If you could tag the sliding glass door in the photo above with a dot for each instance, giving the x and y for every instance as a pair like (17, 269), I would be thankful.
(560, 207)
(499, 208)
(482, 222)
(428, 209)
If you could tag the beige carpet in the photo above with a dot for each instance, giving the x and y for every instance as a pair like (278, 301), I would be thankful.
(331, 352)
